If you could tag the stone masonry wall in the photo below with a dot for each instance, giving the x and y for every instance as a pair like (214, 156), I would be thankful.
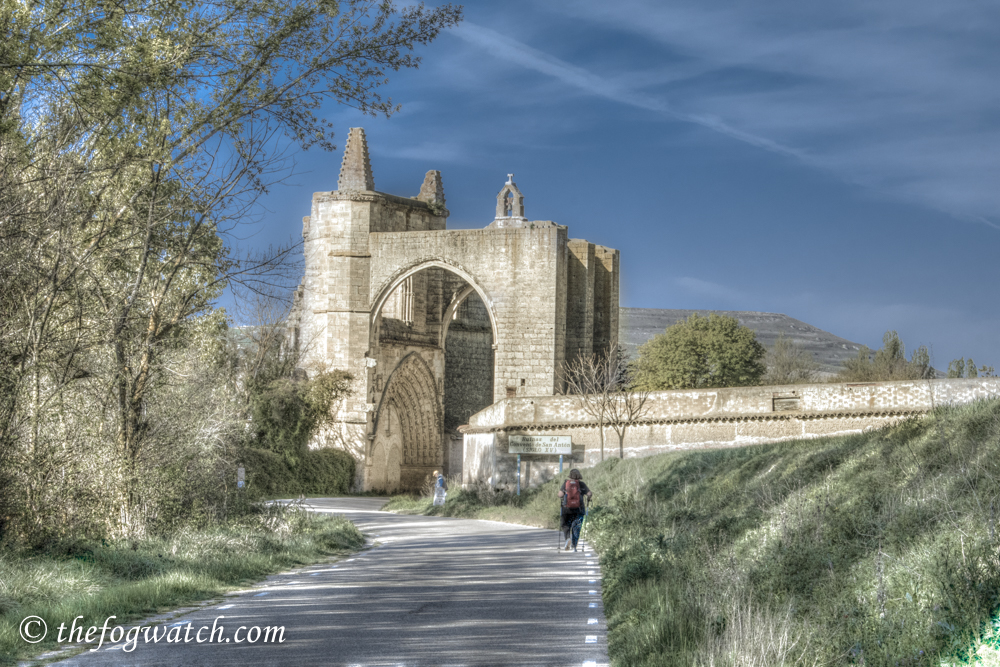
(468, 364)
(518, 269)
(707, 418)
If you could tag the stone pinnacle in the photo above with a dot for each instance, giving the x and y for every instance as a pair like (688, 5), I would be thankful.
(356, 168)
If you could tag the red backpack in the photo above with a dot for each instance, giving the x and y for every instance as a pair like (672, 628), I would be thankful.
(572, 489)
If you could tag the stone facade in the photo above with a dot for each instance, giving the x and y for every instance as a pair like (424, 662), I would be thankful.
(698, 419)
(437, 324)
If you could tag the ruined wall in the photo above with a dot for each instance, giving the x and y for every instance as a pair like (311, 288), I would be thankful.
(468, 364)
(435, 324)
(519, 270)
(707, 418)
(606, 310)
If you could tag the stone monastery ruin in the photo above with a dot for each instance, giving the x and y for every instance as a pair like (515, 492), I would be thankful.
(457, 338)
(437, 324)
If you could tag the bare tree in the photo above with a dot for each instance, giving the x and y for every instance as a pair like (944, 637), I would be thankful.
(597, 380)
(626, 406)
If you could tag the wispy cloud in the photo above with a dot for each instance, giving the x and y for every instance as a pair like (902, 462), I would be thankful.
(519, 53)
(710, 290)
(432, 151)
(898, 96)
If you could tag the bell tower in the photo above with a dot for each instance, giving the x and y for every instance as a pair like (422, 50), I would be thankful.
(510, 204)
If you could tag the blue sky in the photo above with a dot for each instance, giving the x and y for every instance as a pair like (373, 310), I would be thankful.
(836, 162)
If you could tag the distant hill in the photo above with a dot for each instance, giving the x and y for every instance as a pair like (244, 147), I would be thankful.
(637, 325)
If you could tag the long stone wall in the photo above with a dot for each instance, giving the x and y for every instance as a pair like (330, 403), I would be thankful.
(698, 419)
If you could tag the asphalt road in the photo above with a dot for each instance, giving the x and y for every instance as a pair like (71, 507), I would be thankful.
(431, 591)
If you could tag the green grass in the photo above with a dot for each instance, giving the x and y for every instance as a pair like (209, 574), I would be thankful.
(877, 549)
(534, 507)
(136, 578)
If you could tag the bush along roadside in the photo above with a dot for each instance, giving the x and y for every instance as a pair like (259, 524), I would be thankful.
(534, 507)
(310, 472)
(131, 579)
(876, 549)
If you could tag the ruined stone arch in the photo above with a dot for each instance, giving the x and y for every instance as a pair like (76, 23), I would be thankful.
(402, 274)
(411, 397)
(450, 312)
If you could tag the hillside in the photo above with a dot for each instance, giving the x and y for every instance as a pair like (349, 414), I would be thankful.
(637, 325)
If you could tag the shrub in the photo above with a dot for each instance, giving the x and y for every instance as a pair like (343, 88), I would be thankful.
(315, 471)
(713, 351)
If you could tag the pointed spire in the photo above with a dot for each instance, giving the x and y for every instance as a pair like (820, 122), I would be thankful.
(432, 191)
(356, 168)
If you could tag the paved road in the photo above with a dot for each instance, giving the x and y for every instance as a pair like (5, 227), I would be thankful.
(433, 591)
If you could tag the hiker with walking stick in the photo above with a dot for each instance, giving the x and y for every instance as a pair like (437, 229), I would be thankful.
(572, 509)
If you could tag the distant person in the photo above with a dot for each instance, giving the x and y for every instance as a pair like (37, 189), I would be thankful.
(573, 509)
(440, 490)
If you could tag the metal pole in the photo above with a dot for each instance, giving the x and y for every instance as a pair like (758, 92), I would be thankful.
(518, 474)
(560, 464)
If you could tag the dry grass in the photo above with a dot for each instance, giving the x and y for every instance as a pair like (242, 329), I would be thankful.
(134, 578)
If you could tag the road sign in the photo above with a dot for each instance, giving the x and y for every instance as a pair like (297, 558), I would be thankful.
(540, 444)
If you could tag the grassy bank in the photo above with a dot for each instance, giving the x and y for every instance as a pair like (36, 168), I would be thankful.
(136, 578)
(875, 549)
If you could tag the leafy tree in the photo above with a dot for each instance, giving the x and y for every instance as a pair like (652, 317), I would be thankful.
(966, 368)
(787, 363)
(287, 411)
(134, 138)
(713, 351)
(887, 363)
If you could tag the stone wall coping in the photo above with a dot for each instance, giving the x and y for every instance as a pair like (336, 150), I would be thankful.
(741, 404)
(774, 416)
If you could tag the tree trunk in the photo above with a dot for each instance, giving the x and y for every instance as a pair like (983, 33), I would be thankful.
(600, 427)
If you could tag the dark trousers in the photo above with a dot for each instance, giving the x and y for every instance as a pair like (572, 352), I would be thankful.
(572, 521)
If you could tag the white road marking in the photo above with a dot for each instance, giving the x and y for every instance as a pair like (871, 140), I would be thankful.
(592, 605)
(591, 592)
(226, 606)
(259, 594)
(590, 639)
(591, 621)
(590, 562)
(592, 581)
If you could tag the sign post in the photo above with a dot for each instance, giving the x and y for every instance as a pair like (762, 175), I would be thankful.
(241, 476)
(518, 474)
(539, 444)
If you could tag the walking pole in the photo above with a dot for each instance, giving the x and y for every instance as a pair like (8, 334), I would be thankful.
(559, 529)
(586, 511)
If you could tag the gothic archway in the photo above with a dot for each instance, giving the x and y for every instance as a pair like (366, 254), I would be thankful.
(408, 428)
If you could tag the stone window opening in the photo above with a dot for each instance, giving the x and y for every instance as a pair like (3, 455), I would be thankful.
(406, 301)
